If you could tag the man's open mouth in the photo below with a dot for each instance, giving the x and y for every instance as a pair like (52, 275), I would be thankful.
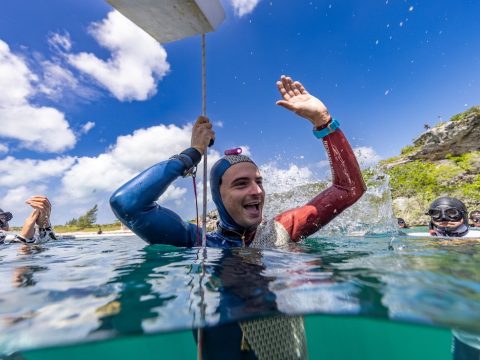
(252, 206)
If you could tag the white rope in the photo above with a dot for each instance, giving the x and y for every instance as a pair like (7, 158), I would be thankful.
(204, 215)
(204, 113)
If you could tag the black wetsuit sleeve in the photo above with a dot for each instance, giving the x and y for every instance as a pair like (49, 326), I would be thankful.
(135, 206)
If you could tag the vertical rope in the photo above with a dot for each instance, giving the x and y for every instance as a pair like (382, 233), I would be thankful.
(204, 113)
(204, 215)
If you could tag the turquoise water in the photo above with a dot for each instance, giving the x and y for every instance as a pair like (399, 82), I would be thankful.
(102, 294)
(360, 339)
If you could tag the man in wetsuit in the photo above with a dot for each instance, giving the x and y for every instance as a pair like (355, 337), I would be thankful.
(238, 194)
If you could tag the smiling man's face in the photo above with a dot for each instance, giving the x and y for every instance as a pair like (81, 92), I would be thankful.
(243, 195)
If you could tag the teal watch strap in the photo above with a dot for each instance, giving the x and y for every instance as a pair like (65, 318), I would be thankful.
(320, 134)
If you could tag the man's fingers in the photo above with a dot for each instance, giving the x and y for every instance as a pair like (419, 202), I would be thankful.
(282, 90)
(291, 87)
(286, 105)
(296, 88)
(39, 199)
(287, 81)
(202, 120)
(300, 87)
(35, 214)
(36, 204)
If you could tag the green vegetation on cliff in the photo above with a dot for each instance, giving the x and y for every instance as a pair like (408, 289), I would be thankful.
(473, 111)
(457, 176)
(443, 161)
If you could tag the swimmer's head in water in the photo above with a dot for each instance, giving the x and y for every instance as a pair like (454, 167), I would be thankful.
(5, 217)
(475, 217)
(237, 192)
(448, 217)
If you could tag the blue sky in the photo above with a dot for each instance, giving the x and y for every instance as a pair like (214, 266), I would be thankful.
(87, 99)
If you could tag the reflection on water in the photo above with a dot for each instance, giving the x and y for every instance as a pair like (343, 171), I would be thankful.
(79, 290)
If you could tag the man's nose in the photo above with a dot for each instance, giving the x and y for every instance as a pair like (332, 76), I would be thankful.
(255, 189)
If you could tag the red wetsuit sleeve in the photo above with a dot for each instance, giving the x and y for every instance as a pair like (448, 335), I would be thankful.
(348, 186)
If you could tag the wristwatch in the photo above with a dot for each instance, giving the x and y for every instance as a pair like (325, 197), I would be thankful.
(330, 128)
(190, 158)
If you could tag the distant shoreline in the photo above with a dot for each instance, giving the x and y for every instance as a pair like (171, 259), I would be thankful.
(90, 232)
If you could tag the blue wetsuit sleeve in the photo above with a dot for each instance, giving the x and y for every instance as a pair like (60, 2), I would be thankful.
(135, 206)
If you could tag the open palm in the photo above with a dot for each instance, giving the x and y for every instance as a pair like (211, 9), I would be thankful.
(297, 99)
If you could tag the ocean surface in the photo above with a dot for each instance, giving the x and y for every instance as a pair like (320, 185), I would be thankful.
(366, 290)
(78, 291)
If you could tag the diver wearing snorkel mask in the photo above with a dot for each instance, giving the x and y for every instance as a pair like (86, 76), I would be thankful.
(5, 217)
(449, 217)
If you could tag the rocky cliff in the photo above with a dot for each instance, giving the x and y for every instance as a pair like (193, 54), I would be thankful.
(443, 161)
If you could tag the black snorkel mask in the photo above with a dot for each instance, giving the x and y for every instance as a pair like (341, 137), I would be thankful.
(448, 209)
(475, 216)
(5, 217)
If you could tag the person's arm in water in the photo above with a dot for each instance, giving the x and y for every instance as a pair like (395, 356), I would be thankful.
(40, 216)
(348, 185)
(134, 203)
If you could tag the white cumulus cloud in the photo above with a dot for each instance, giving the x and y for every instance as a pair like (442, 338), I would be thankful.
(75, 184)
(3, 148)
(17, 172)
(89, 125)
(60, 42)
(366, 156)
(137, 60)
(14, 200)
(86, 180)
(56, 78)
(43, 128)
(243, 7)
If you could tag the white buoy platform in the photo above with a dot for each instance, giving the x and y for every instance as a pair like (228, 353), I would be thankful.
(170, 20)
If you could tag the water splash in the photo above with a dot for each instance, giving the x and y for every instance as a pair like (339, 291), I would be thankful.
(371, 215)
